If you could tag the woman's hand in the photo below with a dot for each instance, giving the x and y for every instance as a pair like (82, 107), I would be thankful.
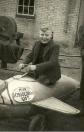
(21, 66)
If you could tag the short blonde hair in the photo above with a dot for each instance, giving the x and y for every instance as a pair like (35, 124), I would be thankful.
(44, 28)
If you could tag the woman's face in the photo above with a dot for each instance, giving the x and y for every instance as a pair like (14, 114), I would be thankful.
(45, 36)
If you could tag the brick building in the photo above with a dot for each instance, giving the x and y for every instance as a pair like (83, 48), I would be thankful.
(61, 15)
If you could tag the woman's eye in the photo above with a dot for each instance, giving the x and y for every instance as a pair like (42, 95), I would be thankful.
(42, 34)
(46, 35)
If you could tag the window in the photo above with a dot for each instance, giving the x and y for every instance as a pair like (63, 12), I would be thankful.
(26, 7)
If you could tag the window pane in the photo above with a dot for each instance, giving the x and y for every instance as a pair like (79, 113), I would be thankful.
(26, 2)
(31, 2)
(25, 10)
(20, 2)
(20, 9)
(31, 10)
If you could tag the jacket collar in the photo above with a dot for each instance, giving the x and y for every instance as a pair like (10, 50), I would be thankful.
(47, 48)
(37, 48)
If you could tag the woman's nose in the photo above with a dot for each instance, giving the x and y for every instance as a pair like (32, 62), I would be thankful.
(44, 36)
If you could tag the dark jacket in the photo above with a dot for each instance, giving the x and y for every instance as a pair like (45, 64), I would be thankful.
(82, 73)
(82, 49)
(50, 63)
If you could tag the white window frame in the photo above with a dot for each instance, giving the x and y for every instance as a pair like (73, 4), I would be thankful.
(22, 14)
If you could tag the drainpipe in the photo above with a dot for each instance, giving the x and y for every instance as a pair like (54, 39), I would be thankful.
(67, 17)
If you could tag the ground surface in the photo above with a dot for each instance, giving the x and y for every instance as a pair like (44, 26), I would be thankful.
(56, 121)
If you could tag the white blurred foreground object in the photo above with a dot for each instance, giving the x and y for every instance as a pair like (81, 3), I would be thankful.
(21, 96)
(56, 105)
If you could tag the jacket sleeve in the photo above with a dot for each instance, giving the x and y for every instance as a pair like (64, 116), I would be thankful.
(53, 61)
(29, 56)
(82, 46)
(82, 52)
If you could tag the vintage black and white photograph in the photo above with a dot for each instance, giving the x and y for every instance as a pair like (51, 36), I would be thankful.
(41, 65)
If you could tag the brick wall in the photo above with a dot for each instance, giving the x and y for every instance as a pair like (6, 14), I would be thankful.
(52, 12)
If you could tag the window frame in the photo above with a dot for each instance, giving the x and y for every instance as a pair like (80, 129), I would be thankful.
(25, 15)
